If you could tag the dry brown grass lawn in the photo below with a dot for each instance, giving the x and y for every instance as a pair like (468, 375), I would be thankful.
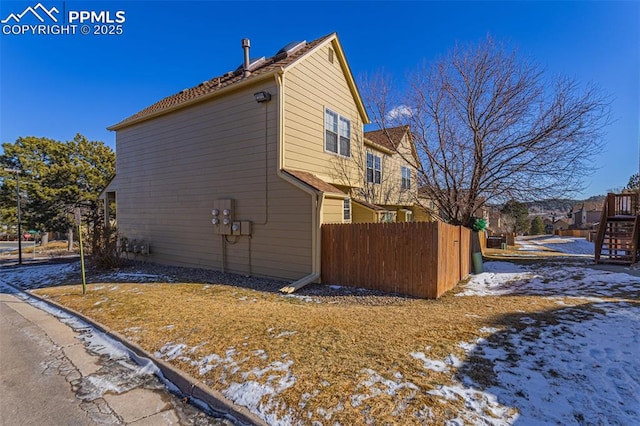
(332, 348)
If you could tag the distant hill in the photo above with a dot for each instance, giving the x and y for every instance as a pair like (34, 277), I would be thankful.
(600, 198)
(558, 207)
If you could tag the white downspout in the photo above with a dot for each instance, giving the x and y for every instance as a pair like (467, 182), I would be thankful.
(316, 199)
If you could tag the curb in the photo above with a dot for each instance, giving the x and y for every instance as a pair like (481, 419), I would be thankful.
(188, 386)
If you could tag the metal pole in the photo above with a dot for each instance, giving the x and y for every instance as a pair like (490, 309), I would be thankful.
(78, 217)
(19, 224)
(17, 172)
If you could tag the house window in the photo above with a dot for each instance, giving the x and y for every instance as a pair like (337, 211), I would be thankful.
(337, 133)
(388, 217)
(346, 209)
(406, 177)
(374, 169)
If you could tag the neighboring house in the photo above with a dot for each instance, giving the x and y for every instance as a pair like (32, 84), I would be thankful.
(495, 220)
(586, 214)
(385, 188)
(239, 172)
(561, 224)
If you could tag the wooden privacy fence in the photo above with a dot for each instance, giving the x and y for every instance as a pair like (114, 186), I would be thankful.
(423, 259)
(573, 233)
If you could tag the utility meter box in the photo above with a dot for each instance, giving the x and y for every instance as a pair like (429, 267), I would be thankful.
(245, 227)
(223, 212)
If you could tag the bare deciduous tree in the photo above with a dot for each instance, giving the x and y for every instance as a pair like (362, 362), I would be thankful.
(382, 188)
(488, 126)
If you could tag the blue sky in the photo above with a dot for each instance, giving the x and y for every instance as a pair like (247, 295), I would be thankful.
(58, 85)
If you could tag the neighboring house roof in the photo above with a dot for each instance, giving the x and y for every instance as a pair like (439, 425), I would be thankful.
(384, 137)
(391, 138)
(370, 206)
(110, 187)
(315, 182)
(235, 79)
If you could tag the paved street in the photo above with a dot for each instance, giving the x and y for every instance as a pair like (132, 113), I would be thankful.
(8, 246)
(50, 376)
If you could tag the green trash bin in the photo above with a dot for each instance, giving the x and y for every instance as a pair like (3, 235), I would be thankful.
(477, 263)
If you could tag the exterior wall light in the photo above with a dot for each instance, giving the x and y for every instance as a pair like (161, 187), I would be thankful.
(262, 96)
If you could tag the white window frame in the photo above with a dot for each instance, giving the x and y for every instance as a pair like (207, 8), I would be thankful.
(405, 182)
(346, 209)
(342, 132)
(375, 167)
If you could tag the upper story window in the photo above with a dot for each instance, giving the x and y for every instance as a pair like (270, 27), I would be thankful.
(374, 168)
(406, 177)
(337, 130)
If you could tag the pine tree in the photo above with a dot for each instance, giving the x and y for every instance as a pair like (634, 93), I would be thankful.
(537, 226)
(516, 213)
(56, 177)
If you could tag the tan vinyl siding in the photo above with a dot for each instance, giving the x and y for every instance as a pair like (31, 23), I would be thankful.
(420, 214)
(172, 168)
(361, 214)
(332, 210)
(402, 216)
(390, 191)
(312, 85)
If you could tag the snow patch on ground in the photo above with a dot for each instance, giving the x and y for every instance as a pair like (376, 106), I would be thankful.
(565, 245)
(37, 276)
(374, 385)
(259, 387)
(503, 278)
(430, 364)
(580, 370)
(139, 277)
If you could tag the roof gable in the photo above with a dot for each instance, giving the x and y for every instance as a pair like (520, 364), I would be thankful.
(392, 138)
(346, 70)
(234, 79)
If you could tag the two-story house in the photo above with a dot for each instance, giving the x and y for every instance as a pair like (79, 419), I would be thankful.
(239, 172)
(586, 215)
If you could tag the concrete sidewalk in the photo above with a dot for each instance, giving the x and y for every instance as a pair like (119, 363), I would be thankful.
(47, 376)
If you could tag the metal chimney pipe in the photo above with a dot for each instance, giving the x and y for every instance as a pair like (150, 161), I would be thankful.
(246, 44)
